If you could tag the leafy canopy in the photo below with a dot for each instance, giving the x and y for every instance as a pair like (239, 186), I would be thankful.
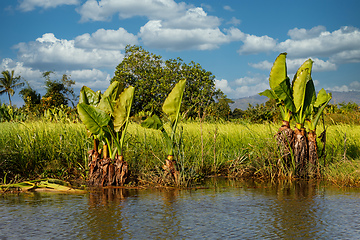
(154, 78)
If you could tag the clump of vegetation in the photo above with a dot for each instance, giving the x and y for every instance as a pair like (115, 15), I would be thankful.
(298, 101)
(171, 108)
(202, 137)
(106, 116)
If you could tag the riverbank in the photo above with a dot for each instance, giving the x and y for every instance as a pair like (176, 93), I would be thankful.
(40, 149)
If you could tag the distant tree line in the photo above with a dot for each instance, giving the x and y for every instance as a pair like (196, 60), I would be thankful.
(153, 78)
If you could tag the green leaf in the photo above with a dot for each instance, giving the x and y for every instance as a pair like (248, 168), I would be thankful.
(123, 107)
(321, 109)
(322, 97)
(278, 71)
(299, 89)
(113, 91)
(94, 119)
(310, 97)
(153, 122)
(88, 96)
(306, 65)
(110, 96)
(269, 93)
(172, 103)
(106, 105)
(283, 91)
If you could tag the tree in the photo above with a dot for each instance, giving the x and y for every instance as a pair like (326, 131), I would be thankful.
(57, 92)
(9, 83)
(154, 78)
(30, 97)
(221, 108)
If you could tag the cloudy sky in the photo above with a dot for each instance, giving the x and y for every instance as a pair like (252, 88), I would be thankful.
(236, 40)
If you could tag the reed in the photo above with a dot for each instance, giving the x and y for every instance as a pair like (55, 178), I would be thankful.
(59, 150)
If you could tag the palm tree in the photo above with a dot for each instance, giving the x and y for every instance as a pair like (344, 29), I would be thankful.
(8, 83)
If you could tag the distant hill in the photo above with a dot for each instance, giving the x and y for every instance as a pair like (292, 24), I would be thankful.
(337, 97)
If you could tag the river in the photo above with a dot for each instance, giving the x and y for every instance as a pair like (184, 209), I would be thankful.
(222, 209)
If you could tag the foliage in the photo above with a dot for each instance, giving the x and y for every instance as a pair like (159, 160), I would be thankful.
(171, 108)
(40, 149)
(63, 113)
(58, 150)
(10, 114)
(57, 92)
(31, 97)
(220, 109)
(280, 89)
(153, 78)
(8, 82)
(107, 117)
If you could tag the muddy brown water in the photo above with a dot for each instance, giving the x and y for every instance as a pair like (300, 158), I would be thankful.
(223, 209)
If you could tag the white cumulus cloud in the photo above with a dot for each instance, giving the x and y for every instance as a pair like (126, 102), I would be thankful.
(243, 87)
(106, 39)
(193, 18)
(254, 44)
(292, 65)
(223, 85)
(92, 78)
(251, 85)
(154, 34)
(50, 53)
(320, 43)
(29, 74)
(30, 5)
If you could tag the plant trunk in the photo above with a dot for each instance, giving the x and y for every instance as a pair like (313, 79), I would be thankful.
(121, 171)
(94, 168)
(106, 172)
(300, 152)
(313, 156)
(170, 168)
(285, 140)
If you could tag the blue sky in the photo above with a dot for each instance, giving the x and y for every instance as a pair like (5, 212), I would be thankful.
(236, 40)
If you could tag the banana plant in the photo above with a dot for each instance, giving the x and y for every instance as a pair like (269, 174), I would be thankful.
(280, 88)
(171, 108)
(303, 93)
(317, 108)
(281, 91)
(107, 115)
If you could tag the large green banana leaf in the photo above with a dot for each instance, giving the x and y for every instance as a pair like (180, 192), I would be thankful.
(94, 119)
(110, 96)
(322, 98)
(89, 97)
(278, 71)
(123, 107)
(310, 97)
(114, 90)
(299, 88)
(172, 103)
(306, 65)
(321, 109)
(269, 93)
(153, 122)
(283, 91)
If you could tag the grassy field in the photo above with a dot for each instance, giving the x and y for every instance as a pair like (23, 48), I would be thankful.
(59, 150)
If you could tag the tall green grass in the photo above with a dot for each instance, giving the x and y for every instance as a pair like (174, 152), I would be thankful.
(43, 149)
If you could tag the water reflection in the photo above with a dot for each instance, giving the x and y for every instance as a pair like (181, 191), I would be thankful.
(223, 208)
(104, 215)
